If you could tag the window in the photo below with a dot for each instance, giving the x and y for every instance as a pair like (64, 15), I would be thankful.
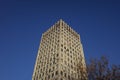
(52, 74)
(61, 79)
(56, 72)
(61, 45)
(61, 49)
(48, 76)
(57, 54)
(67, 49)
(49, 70)
(69, 77)
(64, 47)
(61, 73)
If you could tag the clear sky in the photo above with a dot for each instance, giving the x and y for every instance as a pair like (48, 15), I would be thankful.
(23, 21)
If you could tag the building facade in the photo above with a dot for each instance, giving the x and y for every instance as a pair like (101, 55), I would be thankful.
(60, 55)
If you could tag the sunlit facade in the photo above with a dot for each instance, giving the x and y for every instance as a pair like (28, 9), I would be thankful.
(60, 55)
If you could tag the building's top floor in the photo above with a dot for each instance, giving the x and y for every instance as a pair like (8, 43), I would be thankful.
(61, 25)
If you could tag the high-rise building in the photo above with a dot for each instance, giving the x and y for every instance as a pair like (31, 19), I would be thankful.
(60, 55)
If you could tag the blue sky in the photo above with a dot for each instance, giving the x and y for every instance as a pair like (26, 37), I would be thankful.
(22, 22)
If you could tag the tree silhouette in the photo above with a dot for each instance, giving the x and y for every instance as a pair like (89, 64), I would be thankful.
(99, 69)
